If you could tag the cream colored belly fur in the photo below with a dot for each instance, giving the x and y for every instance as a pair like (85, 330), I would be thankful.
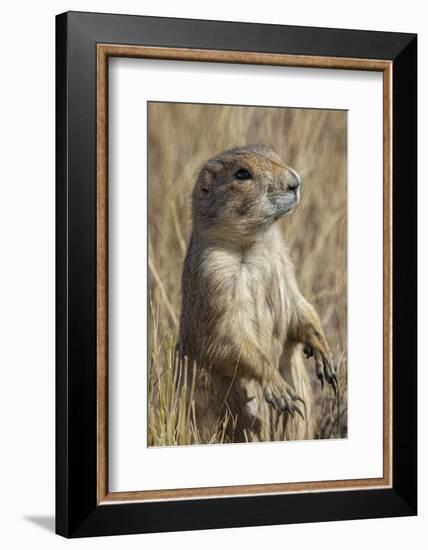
(250, 294)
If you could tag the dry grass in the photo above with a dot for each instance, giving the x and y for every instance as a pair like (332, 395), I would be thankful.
(181, 138)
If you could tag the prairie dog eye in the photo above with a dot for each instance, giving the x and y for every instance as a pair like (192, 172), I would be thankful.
(243, 174)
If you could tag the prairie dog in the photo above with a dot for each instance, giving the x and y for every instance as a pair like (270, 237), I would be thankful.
(243, 318)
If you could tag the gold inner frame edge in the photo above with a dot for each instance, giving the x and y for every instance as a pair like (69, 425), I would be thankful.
(104, 51)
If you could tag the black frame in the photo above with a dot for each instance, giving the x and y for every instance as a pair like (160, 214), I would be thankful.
(77, 513)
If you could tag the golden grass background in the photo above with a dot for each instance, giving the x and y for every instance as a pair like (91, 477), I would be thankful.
(181, 137)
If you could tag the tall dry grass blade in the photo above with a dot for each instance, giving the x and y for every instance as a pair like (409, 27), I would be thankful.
(162, 290)
(181, 241)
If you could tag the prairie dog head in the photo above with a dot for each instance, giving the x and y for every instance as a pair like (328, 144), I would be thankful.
(242, 191)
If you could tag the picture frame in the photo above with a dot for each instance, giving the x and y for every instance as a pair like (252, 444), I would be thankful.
(84, 44)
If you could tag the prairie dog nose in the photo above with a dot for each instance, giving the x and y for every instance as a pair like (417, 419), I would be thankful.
(292, 179)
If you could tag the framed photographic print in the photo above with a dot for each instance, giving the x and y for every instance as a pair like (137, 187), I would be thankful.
(236, 274)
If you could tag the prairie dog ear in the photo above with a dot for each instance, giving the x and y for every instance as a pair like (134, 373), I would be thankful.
(207, 178)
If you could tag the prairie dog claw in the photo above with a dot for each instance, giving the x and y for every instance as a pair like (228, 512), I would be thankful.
(325, 370)
(280, 395)
(308, 351)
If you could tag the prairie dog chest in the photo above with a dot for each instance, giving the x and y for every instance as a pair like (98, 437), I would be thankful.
(250, 292)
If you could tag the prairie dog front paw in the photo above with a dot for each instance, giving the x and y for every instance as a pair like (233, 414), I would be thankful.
(279, 394)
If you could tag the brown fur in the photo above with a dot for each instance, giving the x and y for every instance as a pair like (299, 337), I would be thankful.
(243, 318)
